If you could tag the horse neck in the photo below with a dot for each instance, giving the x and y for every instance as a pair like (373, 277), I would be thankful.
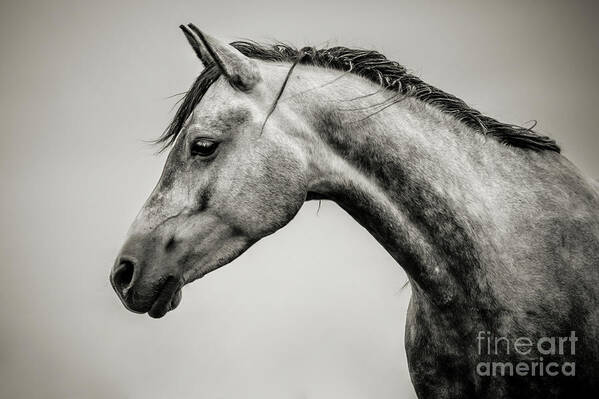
(413, 176)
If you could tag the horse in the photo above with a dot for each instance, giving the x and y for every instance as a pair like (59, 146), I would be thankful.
(496, 230)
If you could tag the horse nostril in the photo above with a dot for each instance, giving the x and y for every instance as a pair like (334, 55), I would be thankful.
(122, 276)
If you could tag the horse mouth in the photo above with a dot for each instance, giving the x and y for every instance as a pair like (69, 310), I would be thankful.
(167, 299)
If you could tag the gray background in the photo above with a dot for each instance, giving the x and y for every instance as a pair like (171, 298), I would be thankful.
(316, 310)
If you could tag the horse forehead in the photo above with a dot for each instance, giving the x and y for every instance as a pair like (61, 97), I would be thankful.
(221, 95)
(218, 118)
(220, 105)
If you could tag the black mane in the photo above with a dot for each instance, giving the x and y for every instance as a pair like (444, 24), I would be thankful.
(370, 65)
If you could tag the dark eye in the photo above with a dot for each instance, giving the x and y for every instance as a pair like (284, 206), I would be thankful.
(203, 147)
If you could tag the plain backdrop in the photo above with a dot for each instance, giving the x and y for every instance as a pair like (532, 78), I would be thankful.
(315, 311)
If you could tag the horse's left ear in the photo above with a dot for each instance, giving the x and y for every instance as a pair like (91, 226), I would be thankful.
(241, 71)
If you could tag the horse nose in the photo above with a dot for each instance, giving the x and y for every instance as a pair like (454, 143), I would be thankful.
(123, 275)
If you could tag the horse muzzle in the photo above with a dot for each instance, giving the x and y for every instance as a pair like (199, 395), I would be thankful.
(141, 296)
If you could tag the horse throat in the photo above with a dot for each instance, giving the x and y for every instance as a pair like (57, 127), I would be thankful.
(398, 174)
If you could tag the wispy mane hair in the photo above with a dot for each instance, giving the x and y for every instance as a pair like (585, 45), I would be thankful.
(370, 65)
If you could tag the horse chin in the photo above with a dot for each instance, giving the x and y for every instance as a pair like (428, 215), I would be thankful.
(167, 299)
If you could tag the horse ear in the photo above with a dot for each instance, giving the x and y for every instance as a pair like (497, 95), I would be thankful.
(241, 71)
(199, 49)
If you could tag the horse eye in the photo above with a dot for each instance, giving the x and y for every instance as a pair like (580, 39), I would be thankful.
(203, 148)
